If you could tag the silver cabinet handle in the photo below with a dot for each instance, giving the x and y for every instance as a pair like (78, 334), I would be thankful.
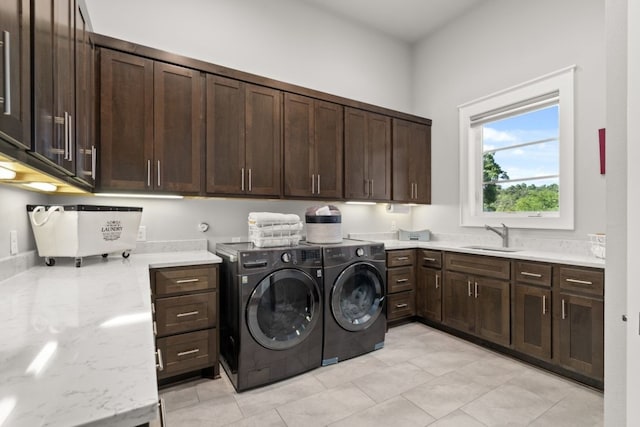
(160, 364)
(525, 273)
(242, 174)
(416, 196)
(313, 183)
(158, 173)
(181, 281)
(468, 287)
(371, 186)
(402, 258)
(437, 281)
(250, 180)
(429, 259)
(148, 173)
(6, 48)
(93, 161)
(580, 282)
(188, 352)
(66, 135)
(402, 305)
(155, 329)
(544, 304)
(564, 313)
(163, 414)
(402, 280)
(476, 289)
(70, 133)
(318, 183)
(188, 313)
(153, 308)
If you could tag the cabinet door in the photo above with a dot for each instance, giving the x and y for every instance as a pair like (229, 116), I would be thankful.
(299, 146)
(532, 326)
(580, 334)
(15, 84)
(379, 152)
(420, 163)
(85, 105)
(225, 136)
(429, 294)
(64, 82)
(178, 128)
(327, 148)
(126, 121)
(458, 308)
(356, 182)
(493, 310)
(401, 182)
(263, 140)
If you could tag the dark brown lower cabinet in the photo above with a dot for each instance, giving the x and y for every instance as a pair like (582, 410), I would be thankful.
(580, 334)
(429, 294)
(478, 305)
(533, 321)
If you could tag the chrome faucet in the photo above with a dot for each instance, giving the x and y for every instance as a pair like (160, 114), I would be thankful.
(504, 234)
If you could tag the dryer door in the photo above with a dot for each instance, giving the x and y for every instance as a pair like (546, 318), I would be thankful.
(283, 309)
(357, 296)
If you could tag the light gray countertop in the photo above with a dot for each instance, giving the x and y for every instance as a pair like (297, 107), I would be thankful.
(519, 253)
(77, 343)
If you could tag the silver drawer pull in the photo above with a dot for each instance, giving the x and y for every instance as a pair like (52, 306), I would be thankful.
(402, 280)
(186, 353)
(155, 329)
(402, 258)
(189, 313)
(180, 282)
(402, 305)
(160, 364)
(526, 273)
(429, 259)
(580, 282)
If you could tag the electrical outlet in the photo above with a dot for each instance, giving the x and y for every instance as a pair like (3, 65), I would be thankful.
(394, 226)
(236, 239)
(142, 234)
(13, 240)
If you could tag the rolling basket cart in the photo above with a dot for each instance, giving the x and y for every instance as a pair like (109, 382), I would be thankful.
(83, 230)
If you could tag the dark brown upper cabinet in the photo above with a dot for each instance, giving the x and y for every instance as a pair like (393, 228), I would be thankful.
(15, 105)
(243, 138)
(151, 126)
(367, 158)
(313, 144)
(411, 162)
(53, 82)
(85, 132)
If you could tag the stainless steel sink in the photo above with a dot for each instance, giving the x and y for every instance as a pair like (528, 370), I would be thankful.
(490, 248)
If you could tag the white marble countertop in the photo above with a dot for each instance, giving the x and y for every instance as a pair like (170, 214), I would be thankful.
(77, 343)
(519, 253)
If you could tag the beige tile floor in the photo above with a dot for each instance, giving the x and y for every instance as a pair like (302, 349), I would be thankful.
(422, 377)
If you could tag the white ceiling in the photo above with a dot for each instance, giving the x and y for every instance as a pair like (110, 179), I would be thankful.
(406, 20)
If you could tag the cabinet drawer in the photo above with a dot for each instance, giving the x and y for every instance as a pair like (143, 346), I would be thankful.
(180, 280)
(429, 258)
(187, 352)
(532, 272)
(478, 265)
(185, 313)
(400, 258)
(400, 279)
(401, 305)
(579, 279)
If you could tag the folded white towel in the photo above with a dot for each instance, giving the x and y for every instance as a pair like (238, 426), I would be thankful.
(275, 230)
(273, 242)
(260, 219)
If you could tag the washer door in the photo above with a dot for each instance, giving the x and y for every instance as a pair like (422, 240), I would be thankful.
(283, 309)
(356, 297)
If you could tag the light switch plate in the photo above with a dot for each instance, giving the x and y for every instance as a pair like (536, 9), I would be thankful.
(142, 234)
(13, 240)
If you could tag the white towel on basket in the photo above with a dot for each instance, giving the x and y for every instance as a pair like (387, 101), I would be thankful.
(261, 219)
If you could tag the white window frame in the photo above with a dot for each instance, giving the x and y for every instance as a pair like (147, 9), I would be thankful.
(471, 209)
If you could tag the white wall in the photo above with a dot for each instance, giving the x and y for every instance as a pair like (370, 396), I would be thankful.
(282, 39)
(13, 216)
(497, 45)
